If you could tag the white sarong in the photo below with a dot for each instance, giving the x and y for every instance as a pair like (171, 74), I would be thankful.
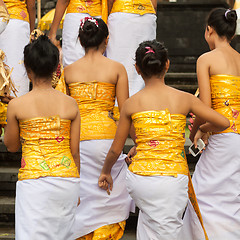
(126, 32)
(71, 47)
(12, 41)
(97, 208)
(161, 201)
(45, 208)
(216, 181)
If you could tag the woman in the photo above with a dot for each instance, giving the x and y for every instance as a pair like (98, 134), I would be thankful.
(15, 37)
(46, 123)
(94, 81)
(216, 177)
(157, 178)
(76, 11)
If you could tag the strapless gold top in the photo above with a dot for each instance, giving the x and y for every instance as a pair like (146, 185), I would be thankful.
(133, 6)
(17, 9)
(225, 94)
(160, 144)
(46, 148)
(95, 101)
(92, 7)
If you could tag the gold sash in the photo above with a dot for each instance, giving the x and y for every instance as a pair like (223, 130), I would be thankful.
(17, 9)
(140, 7)
(46, 148)
(225, 94)
(95, 101)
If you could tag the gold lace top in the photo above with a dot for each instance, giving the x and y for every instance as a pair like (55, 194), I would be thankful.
(225, 94)
(46, 148)
(95, 101)
(17, 9)
(133, 6)
(92, 7)
(160, 144)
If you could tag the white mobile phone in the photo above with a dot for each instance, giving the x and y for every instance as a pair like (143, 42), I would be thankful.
(195, 151)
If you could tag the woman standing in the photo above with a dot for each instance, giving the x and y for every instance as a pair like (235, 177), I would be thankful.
(94, 81)
(157, 178)
(46, 123)
(216, 177)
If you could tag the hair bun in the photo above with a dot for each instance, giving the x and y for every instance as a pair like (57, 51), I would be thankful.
(231, 15)
(90, 28)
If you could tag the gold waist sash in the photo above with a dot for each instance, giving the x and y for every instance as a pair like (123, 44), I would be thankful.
(160, 144)
(46, 148)
(225, 94)
(93, 8)
(17, 9)
(95, 101)
(137, 6)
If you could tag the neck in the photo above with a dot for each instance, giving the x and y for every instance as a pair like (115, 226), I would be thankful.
(91, 52)
(42, 84)
(154, 81)
(221, 43)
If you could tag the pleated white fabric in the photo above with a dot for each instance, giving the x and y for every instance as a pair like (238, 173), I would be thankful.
(126, 32)
(97, 208)
(71, 47)
(12, 41)
(216, 181)
(45, 208)
(161, 201)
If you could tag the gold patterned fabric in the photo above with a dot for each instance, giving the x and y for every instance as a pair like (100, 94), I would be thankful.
(3, 113)
(109, 232)
(17, 9)
(160, 144)
(225, 94)
(95, 101)
(4, 14)
(46, 148)
(133, 6)
(92, 7)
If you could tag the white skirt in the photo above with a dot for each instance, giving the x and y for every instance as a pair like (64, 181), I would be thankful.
(12, 41)
(126, 32)
(97, 208)
(45, 208)
(216, 181)
(71, 47)
(161, 201)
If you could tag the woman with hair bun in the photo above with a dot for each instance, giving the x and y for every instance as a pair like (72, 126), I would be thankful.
(47, 124)
(157, 178)
(94, 81)
(216, 177)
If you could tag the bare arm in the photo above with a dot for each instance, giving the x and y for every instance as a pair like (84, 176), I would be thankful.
(105, 179)
(75, 138)
(60, 9)
(110, 5)
(12, 132)
(203, 68)
(154, 3)
(32, 13)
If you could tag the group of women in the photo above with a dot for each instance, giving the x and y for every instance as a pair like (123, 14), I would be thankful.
(52, 202)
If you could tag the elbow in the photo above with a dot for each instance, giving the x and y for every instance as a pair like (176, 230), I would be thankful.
(227, 124)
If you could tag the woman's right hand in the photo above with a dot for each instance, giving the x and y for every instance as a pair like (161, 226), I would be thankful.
(105, 182)
(130, 155)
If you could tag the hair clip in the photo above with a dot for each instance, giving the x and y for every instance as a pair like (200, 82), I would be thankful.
(90, 19)
(229, 10)
(150, 50)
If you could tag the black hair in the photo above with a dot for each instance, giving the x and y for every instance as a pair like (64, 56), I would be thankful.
(151, 58)
(224, 22)
(92, 32)
(41, 57)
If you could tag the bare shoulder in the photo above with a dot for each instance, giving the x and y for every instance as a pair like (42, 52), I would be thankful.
(116, 65)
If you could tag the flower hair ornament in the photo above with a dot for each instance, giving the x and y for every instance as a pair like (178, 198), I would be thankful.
(90, 19)
(149, 50)
(229, 10)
